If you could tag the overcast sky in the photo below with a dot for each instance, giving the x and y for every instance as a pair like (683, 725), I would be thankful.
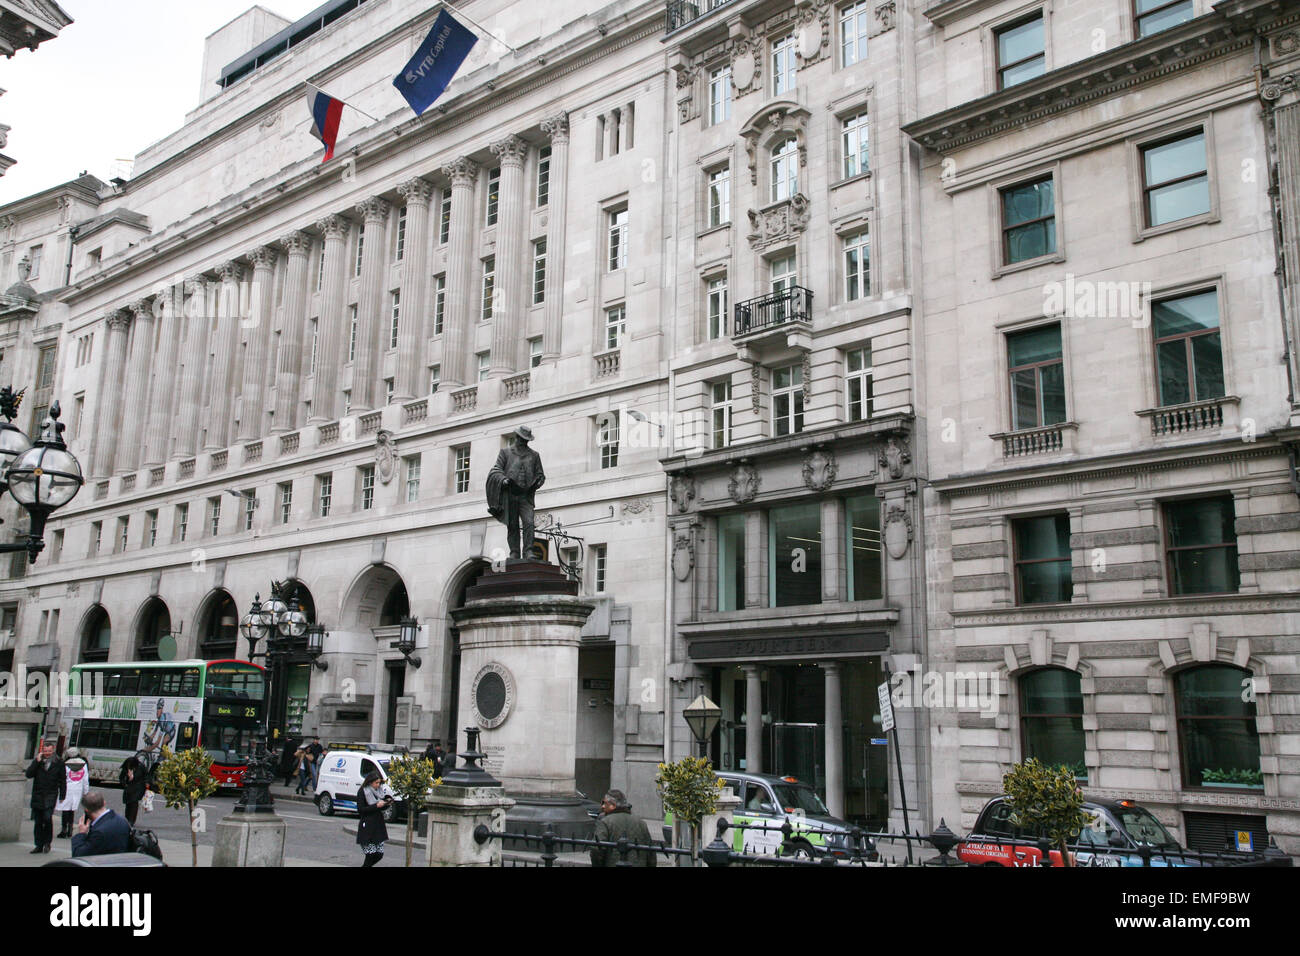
(120, 77)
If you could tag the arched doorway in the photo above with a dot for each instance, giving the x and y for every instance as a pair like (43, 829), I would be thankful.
(290, 672)
(451, 664)
(218, 626)
(153, 632)
(376, 603)
(96, 636)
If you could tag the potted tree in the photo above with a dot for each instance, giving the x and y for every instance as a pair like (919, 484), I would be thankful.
(690, 791)
(1046, 800)
(184, 778)
(411, 778)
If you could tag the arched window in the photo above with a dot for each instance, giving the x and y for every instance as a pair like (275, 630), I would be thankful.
(396, 606)
(96, 637)
(1051, 718)
(219, 628)
(1217, 737)
(785, 169)
(155, 625)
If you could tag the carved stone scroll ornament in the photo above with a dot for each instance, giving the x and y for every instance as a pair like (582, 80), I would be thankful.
(682, 490)
(819, 468)
(755, 386)
(744, 483)
(898, 531)
(683, 555)
(779, 224)
(894, 457)
(385, 456)
(886, 16)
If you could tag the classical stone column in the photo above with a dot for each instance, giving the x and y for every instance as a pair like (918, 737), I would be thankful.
(261, 317)
(110, 393)
(162, 402)
(221, 397)
(296, 296)
(458, 327)
(558, 129)
(834, 740)
(753, 718)
(370, 307)
(508, 299)
(193, 366)
(413, 331)
(333, 324)
(135, 381)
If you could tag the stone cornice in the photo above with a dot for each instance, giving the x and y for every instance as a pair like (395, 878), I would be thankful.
(763, 622)
(1108, 466)
(1234, 604)
(723, 458)
(1073, 86)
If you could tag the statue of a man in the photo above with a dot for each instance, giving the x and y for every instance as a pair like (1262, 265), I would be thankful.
(511, 483)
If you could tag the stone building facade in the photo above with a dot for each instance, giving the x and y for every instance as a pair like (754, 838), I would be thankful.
(1114, 528)
(303, 372)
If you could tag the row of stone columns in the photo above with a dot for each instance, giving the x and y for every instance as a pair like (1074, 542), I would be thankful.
(147, 399)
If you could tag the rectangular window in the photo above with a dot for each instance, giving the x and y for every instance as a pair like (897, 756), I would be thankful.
(731, 562)
(489, 287)
(320, 269)
(534, 352)
(401, 235)
(784, 168)
(783, 65)
(794, 556)
(78, 414)
(618, 239)
(782, 274)
(367, 475)
(462, 469)
(720, 413)
(493, 195)
(151, 534)
(787, 400)
(390, 386)
(435, 378)
(56, 547)
(607, 439)
(286, 501)
(857, 383)
(250, 508)
(395, 313)
(1189, 351)
(96, 537)
(347, 401)
(182, 522)
(35, 254)
(1037, 377)
(412, 464)
(539, 271)
(315, 343)
(1028, 221)
(719, 95)
(1175, 179)
(214, 516)
(862, 546)
(854, 143)
(361, 245)
(352, 333)
(720, 196)
(716, 302)
(439, 302)
(615, 326)
(857, 266)
(444, 217)
(598, 565)
(1201, 545)
(854, 26)
(484, 364)
(324, 494)
(1021, 51)
(1042, 559)
(1153, 16)
(544, 176)
(46, 366)
(123, 532)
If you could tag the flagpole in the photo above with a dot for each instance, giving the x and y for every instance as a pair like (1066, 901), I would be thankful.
(341, 100)
(461, 13)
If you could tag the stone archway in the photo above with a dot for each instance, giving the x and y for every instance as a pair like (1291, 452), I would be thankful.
(216, 630)
(96, 636)
(455, 598)
(152, 634)
(375, 603)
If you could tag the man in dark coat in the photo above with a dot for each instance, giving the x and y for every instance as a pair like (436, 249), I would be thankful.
(134, 778)
(101, 830)
(49, 786)
(617, 823)
(511, 484)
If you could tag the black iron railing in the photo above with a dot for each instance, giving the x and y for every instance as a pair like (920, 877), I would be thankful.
(776, 308)
(682, 12)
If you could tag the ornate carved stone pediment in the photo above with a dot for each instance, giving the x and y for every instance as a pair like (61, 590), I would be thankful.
(771, 124)
(779, 223)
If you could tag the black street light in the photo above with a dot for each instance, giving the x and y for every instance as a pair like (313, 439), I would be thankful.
(702, 716)
(42, 476)
(410, 630)
(316, 635)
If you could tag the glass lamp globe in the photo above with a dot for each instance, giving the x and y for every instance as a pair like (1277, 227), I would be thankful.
(13, 442)
(293, 623)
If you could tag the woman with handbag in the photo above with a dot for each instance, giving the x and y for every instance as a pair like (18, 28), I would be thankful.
(371, 830)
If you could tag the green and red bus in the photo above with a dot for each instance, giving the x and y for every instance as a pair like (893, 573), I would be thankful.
(139, 707)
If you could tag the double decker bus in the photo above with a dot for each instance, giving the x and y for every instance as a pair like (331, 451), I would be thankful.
(139, 707)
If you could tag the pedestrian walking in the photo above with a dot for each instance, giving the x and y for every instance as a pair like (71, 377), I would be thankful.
(134, 778)
(371, 829)
(101, 830)
(316, 751)
(78, 784)
(617, 823)
(304, 758)
(49, 784)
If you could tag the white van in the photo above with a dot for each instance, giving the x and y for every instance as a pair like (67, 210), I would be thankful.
(341, 775)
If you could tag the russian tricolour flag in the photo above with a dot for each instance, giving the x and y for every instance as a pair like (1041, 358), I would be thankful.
(325, 114)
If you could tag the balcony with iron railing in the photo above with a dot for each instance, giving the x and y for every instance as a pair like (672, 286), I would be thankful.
(779, 320)
(681, 13)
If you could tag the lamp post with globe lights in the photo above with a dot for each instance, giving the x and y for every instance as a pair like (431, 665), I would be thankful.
(42, 476)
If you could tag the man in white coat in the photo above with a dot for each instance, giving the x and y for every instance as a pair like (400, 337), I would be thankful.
(78, 775)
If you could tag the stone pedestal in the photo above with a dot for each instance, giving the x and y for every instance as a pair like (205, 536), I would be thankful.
(519, 636)
(454, 813)
(724, 810)
(19, 728)
(249, 839)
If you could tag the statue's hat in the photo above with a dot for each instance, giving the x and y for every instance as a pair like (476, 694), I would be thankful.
(524, 432)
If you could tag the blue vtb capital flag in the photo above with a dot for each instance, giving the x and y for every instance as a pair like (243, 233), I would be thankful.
(435, 62)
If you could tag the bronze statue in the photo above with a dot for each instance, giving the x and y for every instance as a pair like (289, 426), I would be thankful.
(511, 484)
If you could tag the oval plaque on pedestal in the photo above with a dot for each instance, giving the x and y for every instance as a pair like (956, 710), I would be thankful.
(492, 695)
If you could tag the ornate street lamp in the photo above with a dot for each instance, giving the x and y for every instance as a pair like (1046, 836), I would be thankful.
(42, 478)
(253, 626)
(316, 635)
(410, 630)
(702, 716)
